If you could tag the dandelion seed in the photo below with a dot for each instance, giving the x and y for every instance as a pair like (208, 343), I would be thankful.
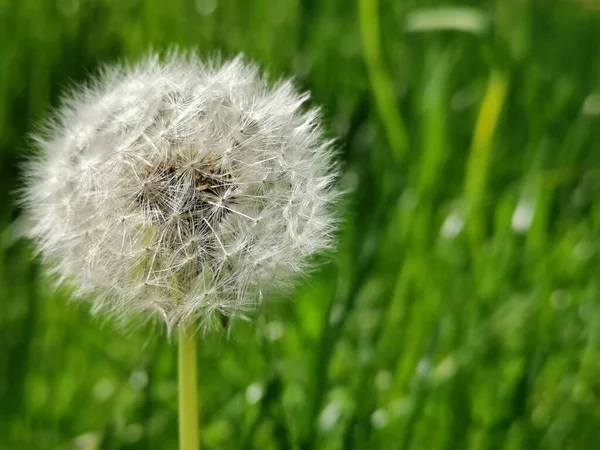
(452, 225)
(254, 393)
(523, 216)
(330, 416)
(379, 418)
(180, 189)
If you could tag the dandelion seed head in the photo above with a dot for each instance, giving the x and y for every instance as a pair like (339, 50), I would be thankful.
(181, 189)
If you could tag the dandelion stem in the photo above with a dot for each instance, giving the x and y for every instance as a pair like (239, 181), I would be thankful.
(188, 390)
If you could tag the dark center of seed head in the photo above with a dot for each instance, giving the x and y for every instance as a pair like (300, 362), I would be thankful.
(169, 189)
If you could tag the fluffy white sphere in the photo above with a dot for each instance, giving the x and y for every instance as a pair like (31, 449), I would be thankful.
(181, 189)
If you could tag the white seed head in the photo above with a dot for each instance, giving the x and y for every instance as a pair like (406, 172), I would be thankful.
(181, 189)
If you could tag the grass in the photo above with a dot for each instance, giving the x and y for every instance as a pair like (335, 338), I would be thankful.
(461, 309)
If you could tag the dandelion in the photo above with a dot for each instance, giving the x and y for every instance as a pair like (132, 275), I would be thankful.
(181, 190)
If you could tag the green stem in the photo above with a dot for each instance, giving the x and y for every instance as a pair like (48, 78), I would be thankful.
(188, 390)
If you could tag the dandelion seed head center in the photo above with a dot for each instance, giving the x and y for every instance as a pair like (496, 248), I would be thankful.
(172, 190)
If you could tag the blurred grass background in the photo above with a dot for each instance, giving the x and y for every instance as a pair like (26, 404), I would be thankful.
(461, 309)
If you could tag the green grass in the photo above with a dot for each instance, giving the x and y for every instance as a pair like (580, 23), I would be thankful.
(462, 307)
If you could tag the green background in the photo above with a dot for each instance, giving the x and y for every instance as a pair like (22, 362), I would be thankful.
(461, 308)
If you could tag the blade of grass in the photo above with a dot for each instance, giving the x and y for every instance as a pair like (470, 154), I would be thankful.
(381, 81)
(480, 155)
